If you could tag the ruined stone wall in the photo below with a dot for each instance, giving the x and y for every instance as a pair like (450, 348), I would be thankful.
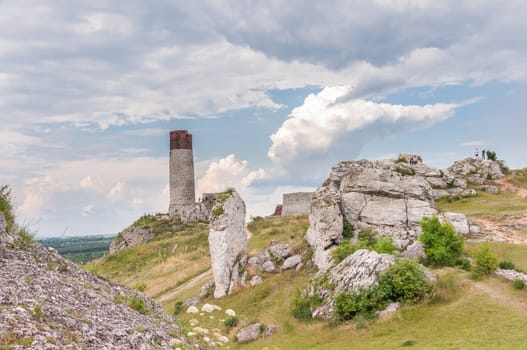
(181, 172)
(297, 203)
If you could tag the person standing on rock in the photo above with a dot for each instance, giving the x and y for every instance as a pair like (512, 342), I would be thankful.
(476, 153)
(483, 154)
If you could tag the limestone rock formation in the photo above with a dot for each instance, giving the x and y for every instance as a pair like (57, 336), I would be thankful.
(360, 270)
(325, 227)
(49, 303)
(227, 242)
(131, 236)
(477, 171)
(390, 197)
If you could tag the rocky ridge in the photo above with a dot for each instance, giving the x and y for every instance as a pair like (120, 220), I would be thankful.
(47, 302)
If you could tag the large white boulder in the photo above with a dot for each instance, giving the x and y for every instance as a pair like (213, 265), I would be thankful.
(227, 242)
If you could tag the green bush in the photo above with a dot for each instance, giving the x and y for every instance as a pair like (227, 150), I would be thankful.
(405, 281)
(367, 237)
(506, 265)
(442, 245)
(344, 249)
(138, 304)
(301, 309)
(462, 263)
(405, 171)
(384, 244)
(518, 284)
(491, 155)
(26, 237)
(347, 229)
(231, 322)
(485, 261)
(178, 307)
(37, 312)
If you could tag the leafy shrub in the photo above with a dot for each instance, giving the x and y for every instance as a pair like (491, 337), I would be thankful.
(506, 265)
(178, 307)
(138, 304)
(349, 305)
(344, 249)
(302, 305)
(491, 155)
(442, 245)
(518, 284)
(231, 322)
(485, 261)
(405, 281)
(347, 229)
(462, 263)
(384, 244)
(301, 309)
(367, 237)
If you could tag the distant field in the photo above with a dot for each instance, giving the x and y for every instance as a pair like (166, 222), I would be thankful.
(80, 249)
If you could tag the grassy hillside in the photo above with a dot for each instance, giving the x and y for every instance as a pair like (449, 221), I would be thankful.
(162, 264)
(462, 314)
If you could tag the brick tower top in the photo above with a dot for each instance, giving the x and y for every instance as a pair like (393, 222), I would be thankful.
(180, 139)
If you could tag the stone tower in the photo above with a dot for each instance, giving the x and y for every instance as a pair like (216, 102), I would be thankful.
(181, 172)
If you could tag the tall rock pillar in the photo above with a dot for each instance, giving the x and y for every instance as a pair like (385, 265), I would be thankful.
(181, 172)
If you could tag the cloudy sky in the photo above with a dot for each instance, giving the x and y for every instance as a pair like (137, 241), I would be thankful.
(274, 93)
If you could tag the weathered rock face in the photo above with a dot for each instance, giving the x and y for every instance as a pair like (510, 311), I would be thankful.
(228, 243)
(325, 227)
(477, 170)
(360, 270)
(249, 333)
(381, 195)
(49, 302)
(131, 236)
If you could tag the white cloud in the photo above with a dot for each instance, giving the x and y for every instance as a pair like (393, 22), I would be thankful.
(475, 143)
(117, 191)
(324, 123)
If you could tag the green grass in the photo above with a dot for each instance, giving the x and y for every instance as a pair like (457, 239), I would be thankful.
(157, 264)
(514, 253)
(472, 319)
(519, 178)
(290, 230)
(485, 204)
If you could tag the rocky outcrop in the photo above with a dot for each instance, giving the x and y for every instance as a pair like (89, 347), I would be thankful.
(5, 237)
(477, 171)
(49, 303)
(227, 242)
(325, 226)
(131, 236)
(356, 272)
(511, 275)
(389, 197)
(359, 271)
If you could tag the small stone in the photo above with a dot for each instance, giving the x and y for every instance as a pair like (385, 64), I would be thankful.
(270, 330)
(255, 280)
(268, 266)
(292, 262)
(280, 251)
(249, 333)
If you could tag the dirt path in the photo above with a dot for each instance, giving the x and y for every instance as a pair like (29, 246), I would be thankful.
(202, 278)
(510, 187)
